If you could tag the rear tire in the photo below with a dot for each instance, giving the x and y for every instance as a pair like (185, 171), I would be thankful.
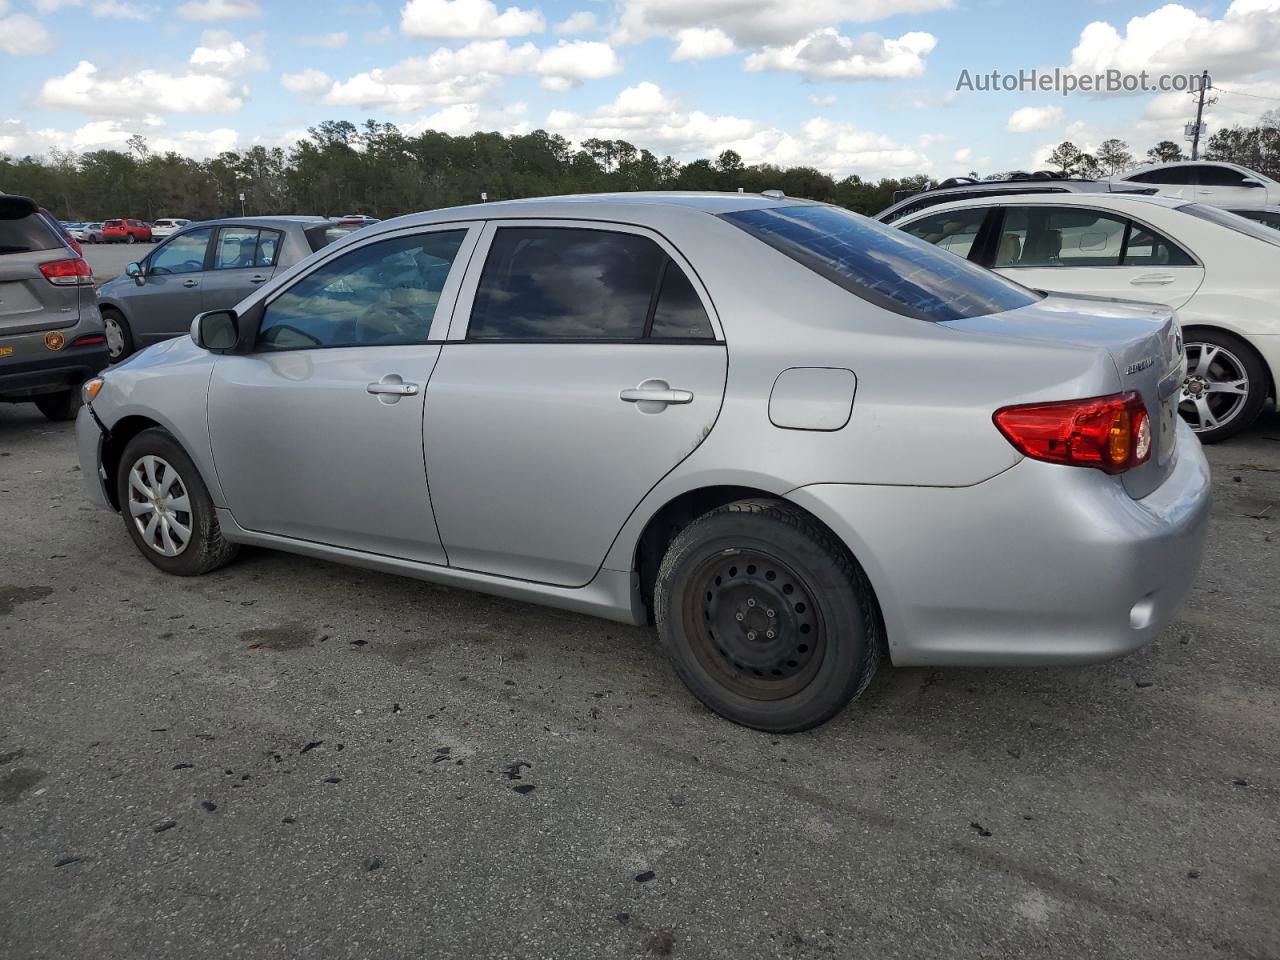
(766, 617)
(167, 509)
(130, 238)
(119, 336)
(1217, 360)
(60, 406)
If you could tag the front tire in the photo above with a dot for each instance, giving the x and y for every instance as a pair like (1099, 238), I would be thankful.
(1225, 387)
(167, 509)
(766, 617)
(60, 406)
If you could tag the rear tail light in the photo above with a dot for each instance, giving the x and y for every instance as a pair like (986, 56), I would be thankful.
(1111, 433)
(68, 273)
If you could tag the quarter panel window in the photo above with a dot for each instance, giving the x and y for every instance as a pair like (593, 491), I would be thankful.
(954, 230)
(241, 247)
(1147, 248)
(183, 254)
(679, 312)
(380, 294)
(559, 283)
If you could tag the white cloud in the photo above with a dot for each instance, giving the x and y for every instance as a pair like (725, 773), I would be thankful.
(326, 41)
(219, 52)
(1026, 119)
(963, 155)
(1165, 114)
(312, 82)
(462, 119)
(828, 55)
(468, 74)
(701, 43)
(568, 63)
(84, 88)
(21, 34)
(1176, 39)
(219, 10)
(467, 18)
(122, 10)
(581, 22)
(17, 139)
(753, 23)
(823, 101)
(647, 116)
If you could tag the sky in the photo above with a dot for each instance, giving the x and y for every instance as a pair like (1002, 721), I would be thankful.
(865, 87)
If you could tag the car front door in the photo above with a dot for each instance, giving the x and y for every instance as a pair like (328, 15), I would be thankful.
(1224, 186)
(583, 364)
(167, 295)
(1076, 249)
(317, 431)
(243, 258)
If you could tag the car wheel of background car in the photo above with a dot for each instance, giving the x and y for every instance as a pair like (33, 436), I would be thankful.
(130, 238)
(119, 336)
(166, 507)
(769, 620)
(1225, 386)
(60, 406)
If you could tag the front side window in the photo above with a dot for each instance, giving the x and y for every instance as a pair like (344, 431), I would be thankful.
(880, 264)
(241, 247)
(183, 254)
(381, 294)
(1179, 176)
(560, 283)
(954, 230)
(1215, 176)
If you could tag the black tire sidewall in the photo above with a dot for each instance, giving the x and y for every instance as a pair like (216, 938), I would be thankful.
(1258, 380)
(843, 612)
(59, 407)
(194, 559)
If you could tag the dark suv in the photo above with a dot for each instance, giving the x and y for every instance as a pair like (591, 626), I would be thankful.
(51, 334)
(967, 188)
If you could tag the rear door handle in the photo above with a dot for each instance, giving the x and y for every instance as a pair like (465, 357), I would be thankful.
(655, 391)
(1152, 280)
(391, 388)
(191, 283)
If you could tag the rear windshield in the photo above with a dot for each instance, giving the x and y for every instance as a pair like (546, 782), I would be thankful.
(327, 233)
(884, 266)
(113, 223)
(27, 234)
(1225, 218)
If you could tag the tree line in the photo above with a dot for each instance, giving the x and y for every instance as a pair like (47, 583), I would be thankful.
(379, 170)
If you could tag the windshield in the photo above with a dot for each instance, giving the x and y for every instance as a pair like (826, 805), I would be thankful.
(882, 265)
(1232, 221)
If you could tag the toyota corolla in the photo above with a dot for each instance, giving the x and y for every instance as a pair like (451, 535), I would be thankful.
(796, 440)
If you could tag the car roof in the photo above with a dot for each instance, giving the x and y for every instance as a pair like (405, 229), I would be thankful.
(1056, 199)
(1172, 164)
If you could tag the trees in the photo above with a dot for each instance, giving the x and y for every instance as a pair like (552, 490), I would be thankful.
(1166, 151)
(1114, 157)
(1066, 158)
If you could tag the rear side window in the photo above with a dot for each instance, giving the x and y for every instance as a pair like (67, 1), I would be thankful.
(1079, 237)
(241, 247)
(953, 230)
(883, 266)
(558, 283)
(27, 234)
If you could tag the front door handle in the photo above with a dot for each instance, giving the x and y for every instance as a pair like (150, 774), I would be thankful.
(191, 283)
(652, 396)
(391, 388)
(1152, 280)
(257, 278)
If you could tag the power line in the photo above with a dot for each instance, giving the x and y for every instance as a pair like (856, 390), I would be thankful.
(1241, 93)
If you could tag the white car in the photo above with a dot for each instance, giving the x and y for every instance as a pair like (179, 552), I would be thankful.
(1217, 183)
(1220, 271)
(167, 227)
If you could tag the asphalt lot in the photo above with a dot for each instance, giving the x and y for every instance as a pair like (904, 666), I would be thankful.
(292, 758)
(108, 260)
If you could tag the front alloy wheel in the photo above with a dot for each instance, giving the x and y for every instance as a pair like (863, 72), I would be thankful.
(159, 505)
(1224, 387)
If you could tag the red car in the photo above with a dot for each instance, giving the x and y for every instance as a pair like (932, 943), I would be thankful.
(125, 231)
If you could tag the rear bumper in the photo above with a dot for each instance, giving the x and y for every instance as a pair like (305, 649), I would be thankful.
(22, 378)
(1042, 564)
(89, 436)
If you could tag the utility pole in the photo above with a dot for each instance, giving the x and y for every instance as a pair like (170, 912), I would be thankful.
(1195, 133)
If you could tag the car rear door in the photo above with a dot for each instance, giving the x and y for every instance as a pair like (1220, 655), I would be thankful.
(317, 433)
(583, 364)
(1084, 250)
(242, 259)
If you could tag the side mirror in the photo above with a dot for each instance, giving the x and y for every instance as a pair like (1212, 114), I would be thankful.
(135, 270)
(217, 331)
(1250, 182)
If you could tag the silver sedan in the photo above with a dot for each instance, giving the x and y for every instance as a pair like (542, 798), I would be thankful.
(795, 439)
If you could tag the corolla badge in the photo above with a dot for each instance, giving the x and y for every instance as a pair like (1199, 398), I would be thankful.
(1141, 365)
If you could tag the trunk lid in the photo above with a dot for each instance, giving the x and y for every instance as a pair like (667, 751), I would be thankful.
(1144, 342)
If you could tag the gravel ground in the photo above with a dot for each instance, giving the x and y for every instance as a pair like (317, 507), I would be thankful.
(292, 758)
